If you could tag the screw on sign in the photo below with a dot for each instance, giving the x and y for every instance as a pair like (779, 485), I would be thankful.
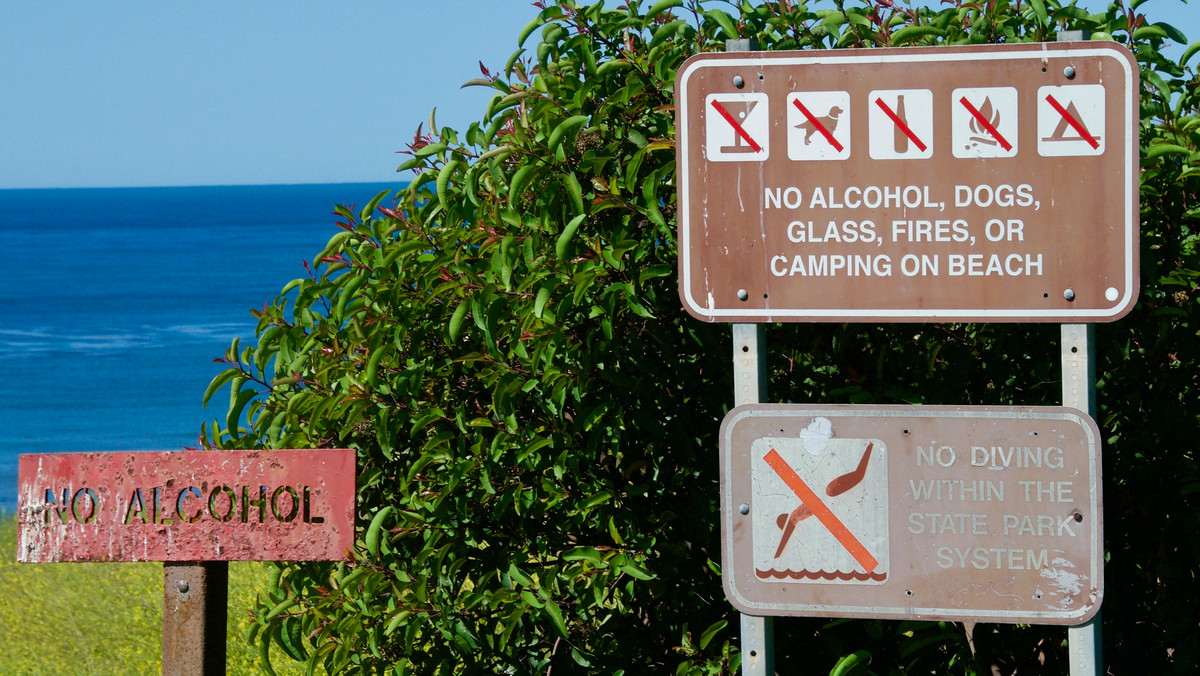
(964, 180)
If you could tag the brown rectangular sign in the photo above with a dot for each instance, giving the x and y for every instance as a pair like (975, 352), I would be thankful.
(271, 505)
(948, 513)
(986, 183)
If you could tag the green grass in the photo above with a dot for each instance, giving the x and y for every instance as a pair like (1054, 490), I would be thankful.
(105, 618)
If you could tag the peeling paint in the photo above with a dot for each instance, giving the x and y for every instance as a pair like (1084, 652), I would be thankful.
(186, 506)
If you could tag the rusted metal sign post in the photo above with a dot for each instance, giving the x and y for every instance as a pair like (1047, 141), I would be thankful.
(195, 511)
(934, 513)
(983, 183)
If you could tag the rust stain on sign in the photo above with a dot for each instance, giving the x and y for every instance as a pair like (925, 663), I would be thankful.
(983, 513)
(983, 183)
(268, 505)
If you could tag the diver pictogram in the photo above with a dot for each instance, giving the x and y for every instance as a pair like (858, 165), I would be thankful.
(820, 509)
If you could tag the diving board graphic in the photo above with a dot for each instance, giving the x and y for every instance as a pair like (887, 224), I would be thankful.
(820, 509)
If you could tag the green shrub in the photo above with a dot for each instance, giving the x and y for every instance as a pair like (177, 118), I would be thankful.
(536, 417)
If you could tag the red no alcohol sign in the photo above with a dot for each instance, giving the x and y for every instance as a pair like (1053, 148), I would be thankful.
(987, 183)
(922, 512)
(271, 505)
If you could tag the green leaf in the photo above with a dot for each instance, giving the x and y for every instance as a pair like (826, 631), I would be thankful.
(560, 131)
(539, 305)
(217, 383)
(1189, 53)
(497, 152)
(564, 239)
(239, 402)
(372, 536)
(1166, 149)
(911, 33)
(1039, 11)
(1148, 32)
(279, 608)
(707, 636)
(519, 180)
(430, 149)
(555, 615)
(636, 571)
(847, 664)
(1172, 32)
(662, 6)
(583, 554)
(575, 191)
(443, 181)
(369, 209)
(724, 21)
(372, 371)
(614, 65)
(456, 320)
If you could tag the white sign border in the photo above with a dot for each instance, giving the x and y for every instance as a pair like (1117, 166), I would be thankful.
(684, 172)
(747, 411)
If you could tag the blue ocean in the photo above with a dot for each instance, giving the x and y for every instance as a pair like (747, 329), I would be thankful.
(116, 302)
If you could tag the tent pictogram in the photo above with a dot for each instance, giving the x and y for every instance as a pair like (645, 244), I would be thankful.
(900, 124)
(737, 127)
(1071, 120)
(842, 485)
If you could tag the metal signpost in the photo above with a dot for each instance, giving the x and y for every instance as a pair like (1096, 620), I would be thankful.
(985, 183)
(195, 511)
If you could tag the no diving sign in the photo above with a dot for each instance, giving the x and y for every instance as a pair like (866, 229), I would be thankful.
(953, 513)
(985, 183)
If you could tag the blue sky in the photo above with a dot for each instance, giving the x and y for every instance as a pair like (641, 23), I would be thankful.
(137, 93)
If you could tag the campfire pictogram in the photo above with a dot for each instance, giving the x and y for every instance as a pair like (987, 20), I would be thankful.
(981, 135)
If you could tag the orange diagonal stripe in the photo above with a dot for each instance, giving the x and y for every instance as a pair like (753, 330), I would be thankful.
(819, 510)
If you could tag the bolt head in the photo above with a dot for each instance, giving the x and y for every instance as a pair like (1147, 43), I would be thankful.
(1069, 72)
(182, 586)
(738, 81)
(744, 509)
(1069, 294)
(742, 294)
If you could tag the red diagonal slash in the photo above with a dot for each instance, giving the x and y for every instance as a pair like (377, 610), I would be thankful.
(1076, 124)
(900, 123)
(821, 511)
(818, 126)
(987, 124)
(736, 127)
